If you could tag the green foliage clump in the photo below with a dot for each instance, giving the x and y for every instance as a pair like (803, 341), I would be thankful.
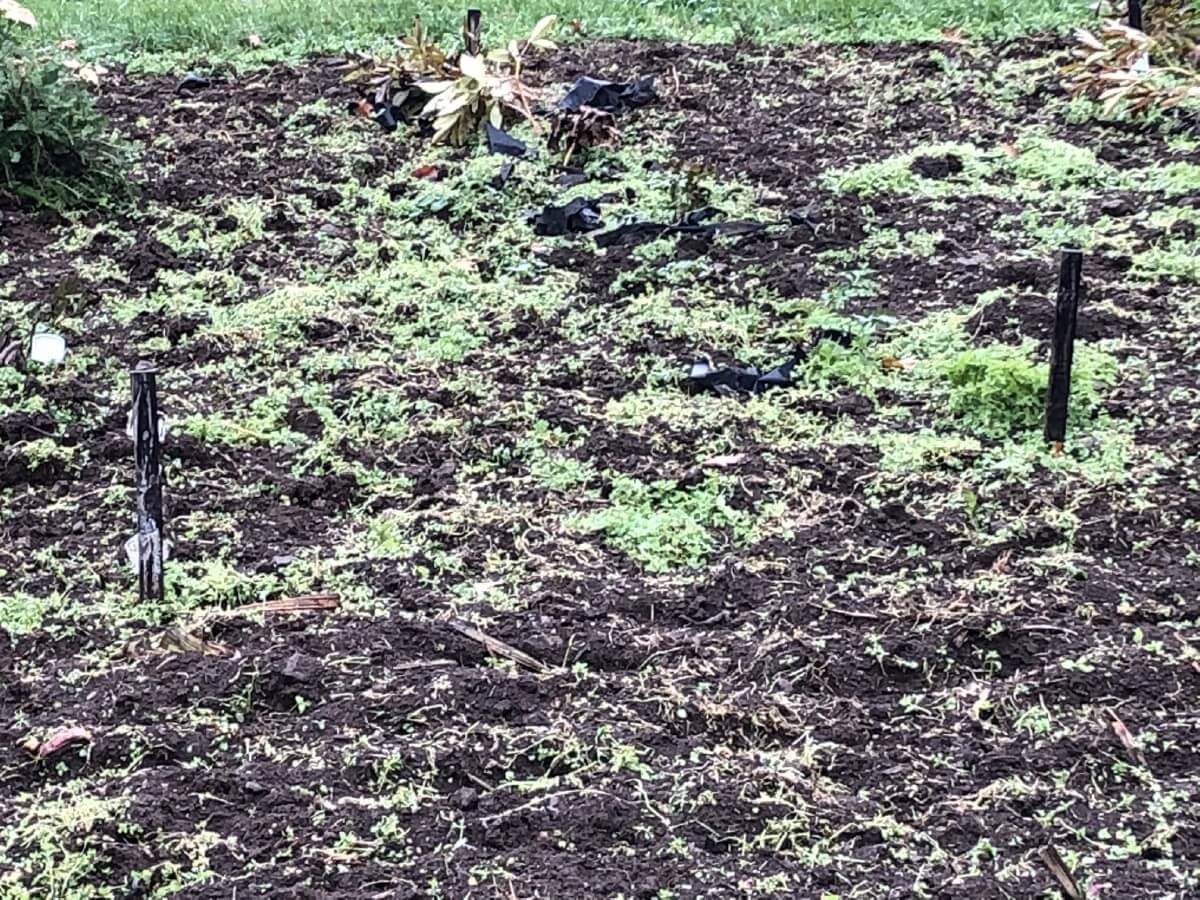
(56, 148)
(998, 389)
(1174, 260)
(661, 525)
(1059, 164)
(1177, 179)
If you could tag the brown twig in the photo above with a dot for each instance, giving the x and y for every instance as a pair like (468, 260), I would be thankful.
(498, 647)
(1052, 861)
(302, 603)
(848, 613)
(1132, 750)
(183, 638)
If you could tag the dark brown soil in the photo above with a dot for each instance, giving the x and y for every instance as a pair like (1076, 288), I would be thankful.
(884, 695)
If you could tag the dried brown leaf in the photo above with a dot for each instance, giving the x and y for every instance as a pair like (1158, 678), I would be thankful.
(63, 738)
(1132, 750)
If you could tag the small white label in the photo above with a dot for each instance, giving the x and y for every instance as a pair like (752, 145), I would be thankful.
(144, 543)
(131, 553)
(131, 432)
(47, 348)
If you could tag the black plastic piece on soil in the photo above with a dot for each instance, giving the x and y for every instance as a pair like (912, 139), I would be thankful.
(578, 216)
(386, 118)
(147, 459)
(472, 31)
(1118, 206)
(1135, 15)
(572, 178)
(937, 166)
(694, 218)
(501, 178)
(500, 141)
(1070, 291)
(748, 380)
(391, 106)
(608, 96)
(691, 223)
(807, 216)
(192, 82)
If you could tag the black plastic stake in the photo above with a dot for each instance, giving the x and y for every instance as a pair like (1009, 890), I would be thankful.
(1070, 292)
(147, 458)
(472, 31)
(1135, 14)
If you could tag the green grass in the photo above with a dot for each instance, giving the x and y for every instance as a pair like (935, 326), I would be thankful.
(661, 525)
(291, 27)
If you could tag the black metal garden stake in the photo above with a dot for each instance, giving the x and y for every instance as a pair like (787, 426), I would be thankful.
(147, 457)
(472, 31)
(1070, 290)
(1135, 14)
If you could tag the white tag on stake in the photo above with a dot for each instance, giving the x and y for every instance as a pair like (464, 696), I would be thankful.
(144, 543)
(131, 432)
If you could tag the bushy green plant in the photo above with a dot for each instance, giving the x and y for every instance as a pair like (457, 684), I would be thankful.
(661, 525)
(998, 389)
(56, 148)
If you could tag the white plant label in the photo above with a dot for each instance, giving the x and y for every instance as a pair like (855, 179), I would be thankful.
(47, 348)
(144, 543)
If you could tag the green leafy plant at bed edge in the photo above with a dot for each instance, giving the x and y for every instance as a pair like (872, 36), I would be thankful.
(999, 389)
(56, 148)
(662, 525)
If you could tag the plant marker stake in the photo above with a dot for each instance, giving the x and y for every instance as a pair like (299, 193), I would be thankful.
(1070, 290)
(147, 457)
(472, 30)
(1135, 14)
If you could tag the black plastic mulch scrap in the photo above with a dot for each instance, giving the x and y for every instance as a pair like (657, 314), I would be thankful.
(692, 223)
(578, 216)
(500, 141)
(608, 96)
(500, 179)
(391, 105)
(746, 380)
(572, 178)
(192, 82)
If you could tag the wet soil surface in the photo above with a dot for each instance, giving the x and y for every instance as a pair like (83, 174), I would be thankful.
(885, 690)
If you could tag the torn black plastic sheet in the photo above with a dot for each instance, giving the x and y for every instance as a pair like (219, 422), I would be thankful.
(500, 179)
(693, 223)
(572, 178)
(501, 142)
(391, 105)
(578, 216)
(608, 96)
(192, 82)
(741, 381)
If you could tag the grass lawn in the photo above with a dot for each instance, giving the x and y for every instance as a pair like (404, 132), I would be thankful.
(221, 26)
